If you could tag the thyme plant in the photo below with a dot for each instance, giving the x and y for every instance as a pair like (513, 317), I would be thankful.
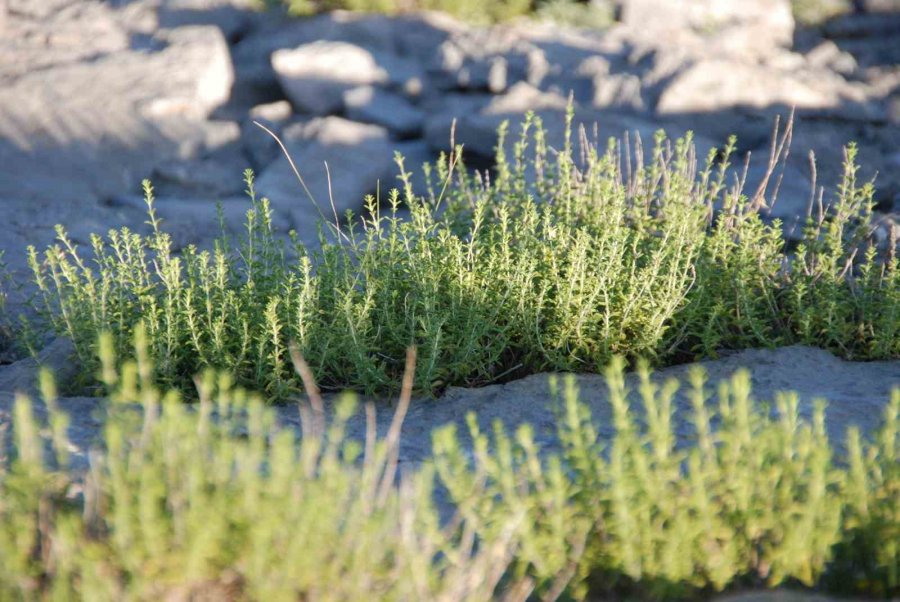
(558, 261)
(217, 500)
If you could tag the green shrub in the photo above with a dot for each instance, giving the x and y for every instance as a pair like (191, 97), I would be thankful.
(816, 12)
(476, 11)
(557, 263)
(596, 14)
(216, 501)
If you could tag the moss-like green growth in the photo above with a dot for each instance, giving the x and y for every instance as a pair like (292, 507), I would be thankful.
(217, 501)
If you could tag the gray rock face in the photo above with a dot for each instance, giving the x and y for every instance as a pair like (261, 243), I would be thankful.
(259, 145)
(22, 376)
(771, 21)
(478, 131)
(315, 76)
(369, 104)
(618, 91)
(91, 129)
(214, 176)
(828, 55)
(232, 17)
(71, 33)
(359, 158)
(717, 84)
(857, 393)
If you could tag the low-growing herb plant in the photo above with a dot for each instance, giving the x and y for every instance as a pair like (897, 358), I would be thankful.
(475, 11)
(559, 261)
(216, 500)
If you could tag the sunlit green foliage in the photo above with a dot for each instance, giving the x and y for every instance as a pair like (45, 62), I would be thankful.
(216, 500)
(558, 263)
(475, 11)
(579, 13)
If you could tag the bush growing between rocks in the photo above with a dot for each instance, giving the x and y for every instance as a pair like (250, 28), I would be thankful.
(592, 13)
(816, 12)
(556, 262)
(215, 500)
(478, 11)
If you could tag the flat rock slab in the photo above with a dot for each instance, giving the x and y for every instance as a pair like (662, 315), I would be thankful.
(857, 393)
(91, 129)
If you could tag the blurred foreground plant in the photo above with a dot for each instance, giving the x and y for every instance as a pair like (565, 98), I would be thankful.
(218, 500)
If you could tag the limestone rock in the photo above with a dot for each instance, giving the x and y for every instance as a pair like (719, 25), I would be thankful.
(618, 91)
(374, 105)
(215, 176)
(771, 21)
(22, 376)
(478, 131)
(718, 84)
(315, 76)
(828, 55)
(857, 393)
(76, 32)
(260, 147)
(91, 129)
(360, 160)
(232, 17)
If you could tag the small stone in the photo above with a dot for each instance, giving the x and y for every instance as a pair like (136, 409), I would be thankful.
(827, 55)
(618, 91)
(524, 97)
(497, 75)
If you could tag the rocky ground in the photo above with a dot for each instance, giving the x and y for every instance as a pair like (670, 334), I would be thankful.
(95, 96)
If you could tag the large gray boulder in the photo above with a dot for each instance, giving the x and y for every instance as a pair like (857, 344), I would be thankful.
(70, 33)
(715, 84)
(91, 129)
